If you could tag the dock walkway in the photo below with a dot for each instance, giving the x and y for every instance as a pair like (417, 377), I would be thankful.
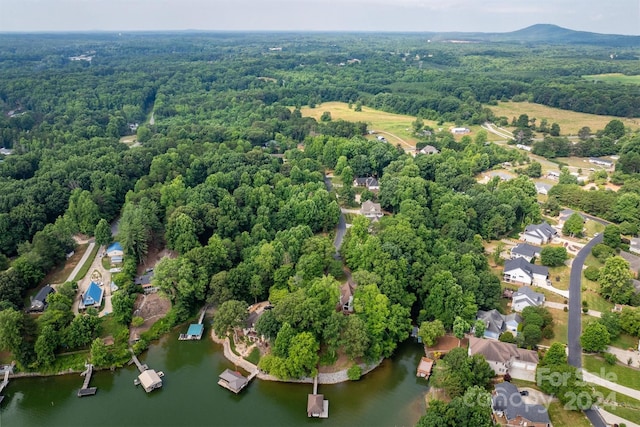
(86, 390)
(5, 381)
(141, 367)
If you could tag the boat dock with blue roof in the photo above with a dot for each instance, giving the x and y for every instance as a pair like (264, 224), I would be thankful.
(195, 330)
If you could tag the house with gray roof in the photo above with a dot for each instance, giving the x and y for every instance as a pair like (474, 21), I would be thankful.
(508, 405)
(542, 188)
(539, 234)
(429, 149)
(526, 297)
(371, 210)
(39, 302)
(526, 251)
(496, 323)
(506, 357)
(521, 272)
(369, 182)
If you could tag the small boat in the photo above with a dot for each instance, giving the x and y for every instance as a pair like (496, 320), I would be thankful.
(136, 382)
(160, 374)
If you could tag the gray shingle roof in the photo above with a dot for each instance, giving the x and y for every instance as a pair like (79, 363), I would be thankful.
(508, 400)
(526, 266)
(526, 250)
(543, 230)
(535, 297)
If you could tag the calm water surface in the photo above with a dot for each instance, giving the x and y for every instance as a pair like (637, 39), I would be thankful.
(391, 395)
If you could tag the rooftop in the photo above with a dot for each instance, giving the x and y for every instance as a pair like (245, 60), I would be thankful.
(195, 329)
(526, 266)
(507, 399)
(93, 295)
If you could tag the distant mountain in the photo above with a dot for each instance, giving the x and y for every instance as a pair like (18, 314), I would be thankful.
(546, 33)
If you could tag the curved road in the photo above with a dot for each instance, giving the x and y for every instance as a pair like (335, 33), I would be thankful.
(575, 314)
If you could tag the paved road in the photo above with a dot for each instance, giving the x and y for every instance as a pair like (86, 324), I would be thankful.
(575, 303)
(341, 228)
(78, 266)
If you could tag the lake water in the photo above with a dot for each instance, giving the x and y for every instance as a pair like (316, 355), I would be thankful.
(391, 395)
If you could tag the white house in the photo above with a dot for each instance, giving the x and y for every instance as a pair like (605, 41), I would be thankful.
(505, 357)
(526, 251)
(635, 245)
(521, 272)
(496, 323)
(460, 131)
(369, 182)
(542, 188)
(526, 297)
(371, 210)
(539, 234)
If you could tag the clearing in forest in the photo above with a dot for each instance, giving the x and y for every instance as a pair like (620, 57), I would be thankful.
(613, 78)
(570, 121)
(396, 128)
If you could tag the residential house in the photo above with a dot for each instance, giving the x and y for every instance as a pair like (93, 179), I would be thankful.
(553, 175)
(542, 188)
(526, 297)
(370, 183)
(371, 210)
(39, 302)
(502, 175)
(539, 234)
(145, 282)
(115, 253)
(635, 245)
(508, 406)
(92, 297)
(601, 162)
(460, 131)
(521, 272)
(496, 323)
(429, 149)
(505, 357)
(345, 304)
(526, 251)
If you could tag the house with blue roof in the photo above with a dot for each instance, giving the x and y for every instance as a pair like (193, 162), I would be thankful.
(93, 296)
(115, 253)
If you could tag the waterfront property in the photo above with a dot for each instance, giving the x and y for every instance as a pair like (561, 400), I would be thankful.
(193, 333)
(150, 380)
(232, 380)
(86, 390)
(506, 357)
(424, 368)
(317, 405)
(496, 323)
(5, 382)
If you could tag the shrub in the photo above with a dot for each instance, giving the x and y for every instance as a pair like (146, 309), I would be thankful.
(592, 273)
(566, 309)
(354, 373)
(611, 359)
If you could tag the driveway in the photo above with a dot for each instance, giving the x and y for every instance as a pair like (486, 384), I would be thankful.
(575, 305)
(341, 228)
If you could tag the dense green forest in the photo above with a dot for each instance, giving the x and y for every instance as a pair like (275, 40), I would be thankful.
(228, 174)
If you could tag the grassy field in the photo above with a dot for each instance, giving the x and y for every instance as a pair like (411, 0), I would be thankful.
(570, 121)
(590, 289)
(396, 128)
(561, 273)
(87, 265)
(620, 374)
(613, 78)
(560, 327)
(625, 341)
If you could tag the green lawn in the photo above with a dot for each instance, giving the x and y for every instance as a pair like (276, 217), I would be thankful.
(85, 268)
(562, 273)
(625, 341)
(593, 227)
(622, 375)
(254, 356)
(619, 404)
(560, 327)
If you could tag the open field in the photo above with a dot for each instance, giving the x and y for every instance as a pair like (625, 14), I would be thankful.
(613, 78)
(570, 121)
(388, 124)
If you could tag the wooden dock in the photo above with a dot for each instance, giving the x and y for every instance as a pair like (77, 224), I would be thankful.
(86, 390)
(141, 367)
(317, 405)
(5, 381)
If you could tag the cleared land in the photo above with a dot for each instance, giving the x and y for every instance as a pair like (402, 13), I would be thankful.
(614, 78)
(396, 128)
(570, 121)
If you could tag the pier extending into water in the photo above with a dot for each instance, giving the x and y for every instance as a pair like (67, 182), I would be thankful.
(317, 405)
(195, 330)
(148, 378)
(86, 390)
(5, 381)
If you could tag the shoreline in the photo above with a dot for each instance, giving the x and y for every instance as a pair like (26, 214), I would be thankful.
(323, 378)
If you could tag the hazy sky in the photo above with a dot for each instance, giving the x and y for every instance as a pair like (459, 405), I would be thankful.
(603, 16)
